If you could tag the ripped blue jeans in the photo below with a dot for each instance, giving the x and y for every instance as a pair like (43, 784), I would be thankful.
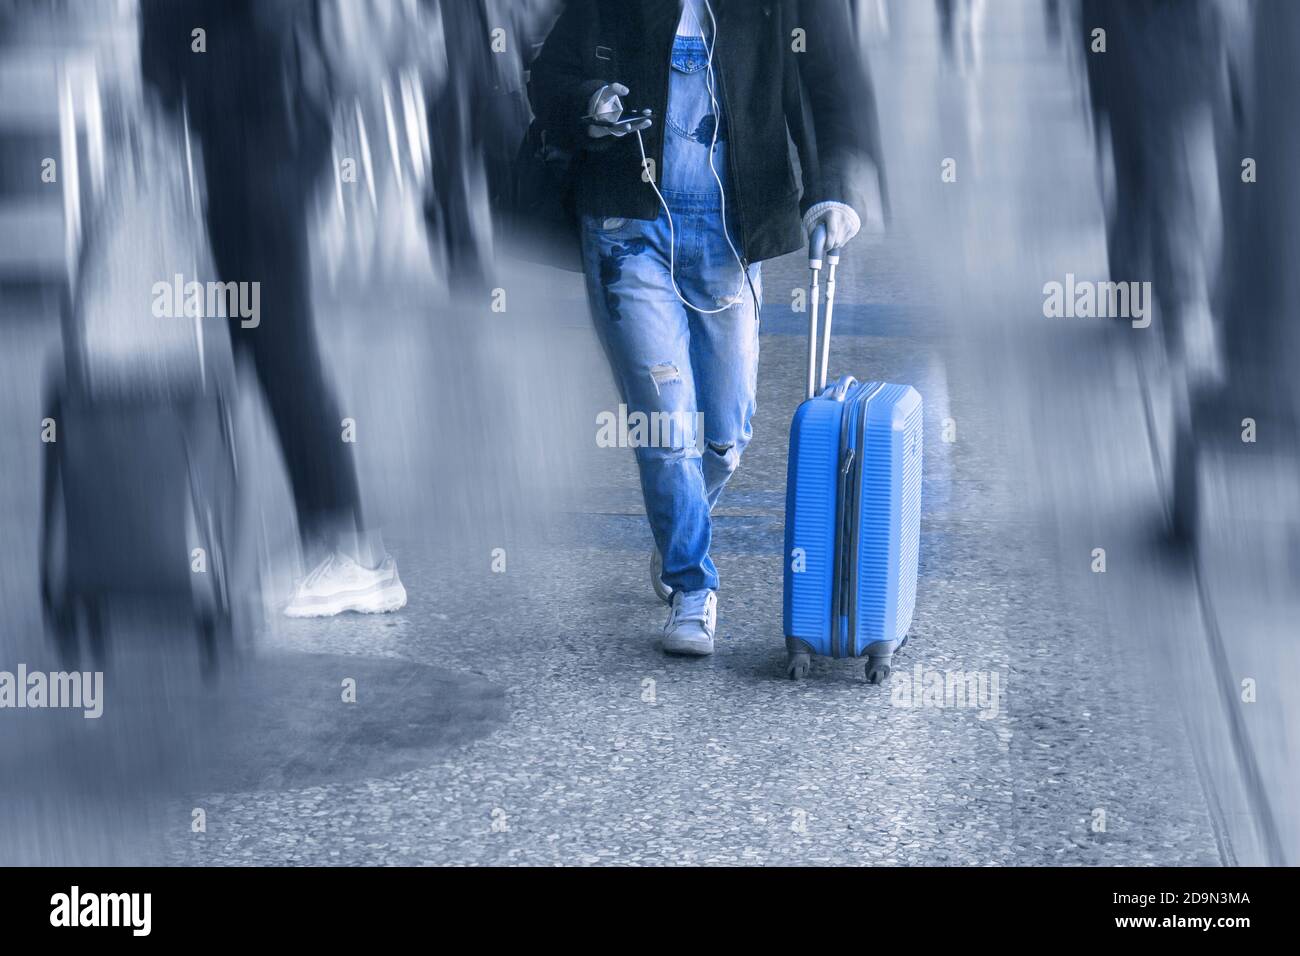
(698, 372)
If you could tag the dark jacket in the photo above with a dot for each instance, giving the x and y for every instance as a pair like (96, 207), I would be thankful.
(819, 101)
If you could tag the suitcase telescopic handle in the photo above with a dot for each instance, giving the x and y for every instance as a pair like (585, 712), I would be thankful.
(818, 359)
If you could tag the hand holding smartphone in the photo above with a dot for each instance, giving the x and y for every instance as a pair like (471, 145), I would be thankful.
(605, 116)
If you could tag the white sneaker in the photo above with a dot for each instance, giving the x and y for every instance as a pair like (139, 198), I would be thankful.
(339, 584)
(691, 623)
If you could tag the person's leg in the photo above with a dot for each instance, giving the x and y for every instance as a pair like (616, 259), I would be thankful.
(946, 14)
(1186, 230)
(646, 336)
(724, 347)
(1128, 228)
(456, 213)
(258, 236)
(1186, 238)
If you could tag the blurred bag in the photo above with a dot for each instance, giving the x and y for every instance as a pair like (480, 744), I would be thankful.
(542, 219)
(137, 321)
(541, 213)
(139, 487)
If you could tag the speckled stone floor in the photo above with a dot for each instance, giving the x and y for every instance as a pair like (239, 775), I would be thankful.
(609, 752)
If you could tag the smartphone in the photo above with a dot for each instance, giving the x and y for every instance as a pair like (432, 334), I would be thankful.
(623, 123)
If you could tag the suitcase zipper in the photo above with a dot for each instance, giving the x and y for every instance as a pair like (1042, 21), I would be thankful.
(846, 544)
(847, 609)
(841, 510)
(842, 517)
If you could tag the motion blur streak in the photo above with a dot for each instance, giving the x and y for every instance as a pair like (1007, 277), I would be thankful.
(1114, 523)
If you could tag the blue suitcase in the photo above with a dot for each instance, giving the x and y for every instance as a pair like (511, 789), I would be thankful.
(852, 510)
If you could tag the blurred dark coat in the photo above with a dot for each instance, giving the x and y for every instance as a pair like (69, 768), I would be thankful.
(1161, 55)
(257, 95)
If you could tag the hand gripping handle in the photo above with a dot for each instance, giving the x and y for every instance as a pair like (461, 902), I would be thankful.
(818, 359)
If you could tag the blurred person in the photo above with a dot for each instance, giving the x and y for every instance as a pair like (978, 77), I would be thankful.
(678, 208)
(380, 60)
(480, 114)
(264, 128)
(468, 111)
(961, 27)
(870, 20)
(1261, 283)
(1159, 92)
(1052, 17)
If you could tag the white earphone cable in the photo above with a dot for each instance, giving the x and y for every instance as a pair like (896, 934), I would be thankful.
(722, 193)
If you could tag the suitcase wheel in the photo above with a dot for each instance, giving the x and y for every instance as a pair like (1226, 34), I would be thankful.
(878, 668)
(797, 664)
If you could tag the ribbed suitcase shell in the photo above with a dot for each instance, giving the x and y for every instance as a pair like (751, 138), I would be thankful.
(852, 537)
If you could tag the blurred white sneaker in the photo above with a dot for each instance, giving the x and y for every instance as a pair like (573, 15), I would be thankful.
(691, 623)
(339, 584)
